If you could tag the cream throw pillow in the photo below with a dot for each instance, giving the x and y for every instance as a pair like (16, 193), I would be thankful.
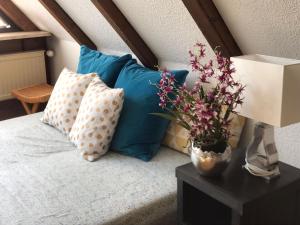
(63, 105)
(97, 118)
(177, 137)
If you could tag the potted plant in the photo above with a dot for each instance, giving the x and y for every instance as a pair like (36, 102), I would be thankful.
(205, 109)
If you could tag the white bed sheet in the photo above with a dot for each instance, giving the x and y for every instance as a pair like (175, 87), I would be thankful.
(43, 180)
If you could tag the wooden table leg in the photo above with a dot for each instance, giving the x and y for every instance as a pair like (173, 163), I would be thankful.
(26, 107)
(35, 107)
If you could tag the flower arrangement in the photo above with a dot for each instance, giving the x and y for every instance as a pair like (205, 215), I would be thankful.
(204, 110)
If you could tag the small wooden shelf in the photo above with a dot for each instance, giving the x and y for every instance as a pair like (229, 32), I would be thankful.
(23, 35)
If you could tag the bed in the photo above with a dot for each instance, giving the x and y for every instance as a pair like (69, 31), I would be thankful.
(43, 180)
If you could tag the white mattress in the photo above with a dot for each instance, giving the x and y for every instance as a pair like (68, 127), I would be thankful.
(43, 180)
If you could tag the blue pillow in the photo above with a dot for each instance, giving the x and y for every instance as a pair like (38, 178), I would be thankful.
(139, 133)
(107, 67)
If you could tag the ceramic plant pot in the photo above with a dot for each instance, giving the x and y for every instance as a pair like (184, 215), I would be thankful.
(209, 162)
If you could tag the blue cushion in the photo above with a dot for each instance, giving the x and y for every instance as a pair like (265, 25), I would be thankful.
(139, 133)
(107, 67)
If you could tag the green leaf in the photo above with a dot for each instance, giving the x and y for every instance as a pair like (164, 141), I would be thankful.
(202, 93)
(164, 116)
(184, 125)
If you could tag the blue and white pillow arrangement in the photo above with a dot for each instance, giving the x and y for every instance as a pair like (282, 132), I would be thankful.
(115, 107)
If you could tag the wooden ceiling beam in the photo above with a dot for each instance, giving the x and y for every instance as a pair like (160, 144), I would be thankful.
(212, 25)
(126, 31)
(66, 21)
(17, 16)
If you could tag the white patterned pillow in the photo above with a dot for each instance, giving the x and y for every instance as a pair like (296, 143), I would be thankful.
(63, 105)
(96, 120)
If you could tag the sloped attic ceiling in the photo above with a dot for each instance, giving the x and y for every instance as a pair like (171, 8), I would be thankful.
(154, 20)
(270, 27)
(40, 17)
(267, 27)
(166, 26)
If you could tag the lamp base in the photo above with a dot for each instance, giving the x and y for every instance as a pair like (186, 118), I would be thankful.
(261, 155)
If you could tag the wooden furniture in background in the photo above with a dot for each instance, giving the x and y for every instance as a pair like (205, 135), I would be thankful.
(33, 95)
(66, 21)
(23, 35)
(238, 197)
(126, 31)
(212, 25)
(22, 41)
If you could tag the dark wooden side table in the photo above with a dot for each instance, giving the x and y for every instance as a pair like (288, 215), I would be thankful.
(238, 198)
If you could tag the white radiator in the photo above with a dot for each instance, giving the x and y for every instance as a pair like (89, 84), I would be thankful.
(19, 70)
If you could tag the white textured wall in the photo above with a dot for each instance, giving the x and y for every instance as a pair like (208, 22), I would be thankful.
(65, 48)
(270, 27)
(259, 26)
(85, 14)
(66, 55)
(264, 26)
(153, 20)
(165, 25)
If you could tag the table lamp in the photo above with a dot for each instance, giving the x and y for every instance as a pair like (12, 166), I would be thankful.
(272, 97)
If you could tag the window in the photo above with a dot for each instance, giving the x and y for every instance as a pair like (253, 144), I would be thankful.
(6, 25)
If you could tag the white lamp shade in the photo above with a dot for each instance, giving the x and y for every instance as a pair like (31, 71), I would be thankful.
(272, 93)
